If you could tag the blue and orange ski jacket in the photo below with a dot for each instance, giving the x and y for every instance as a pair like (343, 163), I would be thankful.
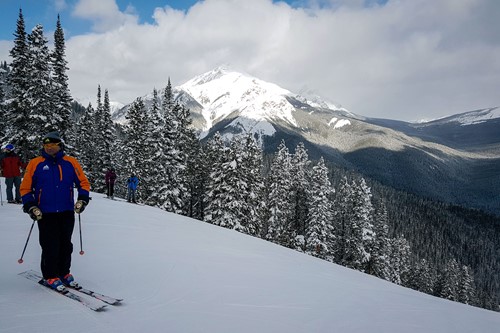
(49, 182)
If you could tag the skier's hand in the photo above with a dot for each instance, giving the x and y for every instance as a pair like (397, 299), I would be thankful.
(80, 206)
(35, 213)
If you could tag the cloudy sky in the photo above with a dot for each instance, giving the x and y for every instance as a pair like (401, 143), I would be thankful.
(398, 59)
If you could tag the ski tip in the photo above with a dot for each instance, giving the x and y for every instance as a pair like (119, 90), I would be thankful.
(100, 308)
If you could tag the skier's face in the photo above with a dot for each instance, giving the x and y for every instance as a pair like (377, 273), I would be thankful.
(52, 148)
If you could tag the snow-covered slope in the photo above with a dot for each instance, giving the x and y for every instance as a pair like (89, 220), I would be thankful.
(467, 118)
(181, 275)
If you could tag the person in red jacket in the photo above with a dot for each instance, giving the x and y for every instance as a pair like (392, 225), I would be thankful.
(47, 194)
(110, 178)
(11, 166)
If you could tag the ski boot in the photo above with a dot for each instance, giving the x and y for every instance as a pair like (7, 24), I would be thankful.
(69, 280)
(55, 284)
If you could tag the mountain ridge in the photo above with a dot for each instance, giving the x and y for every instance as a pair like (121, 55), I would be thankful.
(448, 154)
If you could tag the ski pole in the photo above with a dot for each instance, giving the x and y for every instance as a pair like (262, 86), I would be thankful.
(25, 245)
(80, 227)
(1, 197)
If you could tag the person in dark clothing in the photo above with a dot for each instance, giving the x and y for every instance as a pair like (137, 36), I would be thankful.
(110, 179)
(47, 194)
(11, 165)
(132, 183)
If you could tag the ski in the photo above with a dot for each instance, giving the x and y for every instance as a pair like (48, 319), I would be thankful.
(95, 305)
(104, 298)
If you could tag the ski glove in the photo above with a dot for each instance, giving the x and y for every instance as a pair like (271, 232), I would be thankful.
(81, 203)
(35, 213)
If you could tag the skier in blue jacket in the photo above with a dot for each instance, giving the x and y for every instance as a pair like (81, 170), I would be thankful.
(47, 194)
(132, 183)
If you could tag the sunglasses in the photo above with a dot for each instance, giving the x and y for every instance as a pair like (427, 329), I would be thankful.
(51, 145)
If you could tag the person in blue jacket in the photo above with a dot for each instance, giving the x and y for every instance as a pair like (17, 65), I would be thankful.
(132, 183)
(47, 195)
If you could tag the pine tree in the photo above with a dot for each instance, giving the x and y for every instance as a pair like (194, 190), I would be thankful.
(60, 94)
(173, 191)
(136, 134)
(354, 224)
(85, 149)
(466, 290)
(17, 112)
(196, 179)
(318, 234)
(399, 256)
(450, 280)
(217, 156)
(106, 131)
(420, 277)
(251, 174)
(155, 174)
(280, 228)
(378, 263)
(42, 118)
(300, 174)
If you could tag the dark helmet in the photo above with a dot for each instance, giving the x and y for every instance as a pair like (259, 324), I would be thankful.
(52, 137)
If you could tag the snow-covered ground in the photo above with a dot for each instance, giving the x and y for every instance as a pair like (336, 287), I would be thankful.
(181, 275)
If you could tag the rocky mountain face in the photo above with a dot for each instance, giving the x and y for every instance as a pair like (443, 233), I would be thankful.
(454, 159)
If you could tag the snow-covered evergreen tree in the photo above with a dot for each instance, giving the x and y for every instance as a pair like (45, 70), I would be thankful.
(18, 109)
(173, 189)
(42, 118)
(421, 278)
(251, 172)
(60, 94)
(378, 263)
(399, 256)
(84, 145)
(456, 283)
(195, 176)
(154, 176)
(217, 156)
(106, 130)
(319, 232)
(136, 134)
(466, 290)
(354, 224)
(450, 280)
(300, 188)
(280, 228)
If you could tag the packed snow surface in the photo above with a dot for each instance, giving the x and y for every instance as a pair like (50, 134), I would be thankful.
(181, 275)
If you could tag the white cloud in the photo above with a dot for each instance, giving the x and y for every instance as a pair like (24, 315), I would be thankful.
(408, 59)
(105, 14)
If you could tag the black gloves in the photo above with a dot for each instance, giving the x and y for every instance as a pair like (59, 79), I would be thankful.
(80, 204)
(35, 213)
(32, 209)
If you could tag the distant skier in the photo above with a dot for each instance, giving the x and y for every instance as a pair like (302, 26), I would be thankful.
(110, 179)
(10, 166)
(47, 194)
(132, 183)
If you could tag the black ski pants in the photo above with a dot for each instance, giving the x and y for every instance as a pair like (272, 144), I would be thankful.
(55, 231)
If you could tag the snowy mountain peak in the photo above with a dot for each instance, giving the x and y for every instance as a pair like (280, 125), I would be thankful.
(234, 103)
(209, 76)
(225, 93)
